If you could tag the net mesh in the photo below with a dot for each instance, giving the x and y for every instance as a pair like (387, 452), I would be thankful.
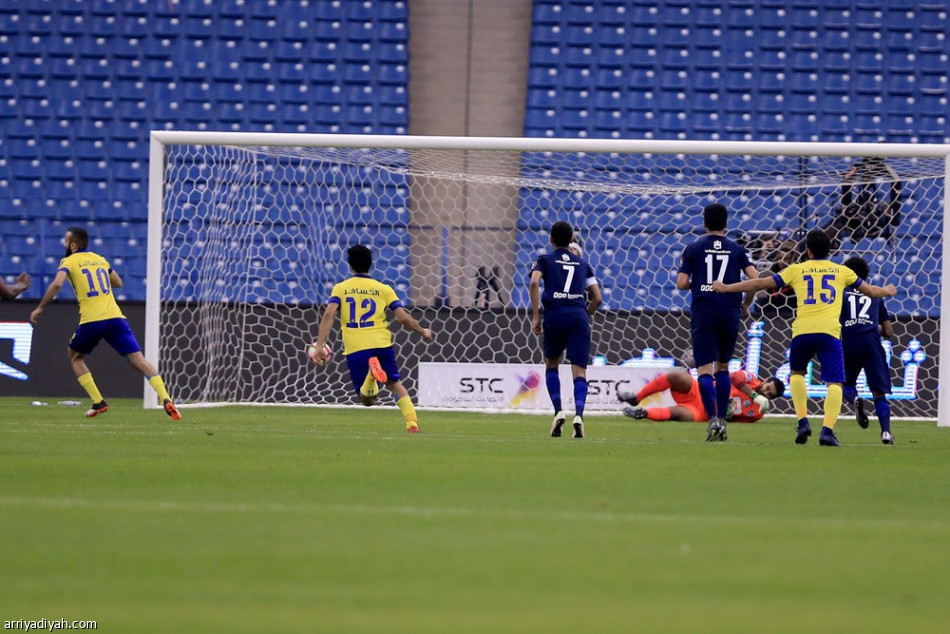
(254, 238)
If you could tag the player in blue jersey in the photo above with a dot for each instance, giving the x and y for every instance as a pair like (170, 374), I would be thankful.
(715, 318)
(864, 320)
(571, 295)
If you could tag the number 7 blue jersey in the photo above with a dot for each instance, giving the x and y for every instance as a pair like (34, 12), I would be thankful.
(566, 278)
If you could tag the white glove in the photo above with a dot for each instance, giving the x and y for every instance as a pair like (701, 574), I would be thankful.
(762, 402)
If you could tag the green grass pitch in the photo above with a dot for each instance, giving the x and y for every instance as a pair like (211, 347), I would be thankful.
(246, 519)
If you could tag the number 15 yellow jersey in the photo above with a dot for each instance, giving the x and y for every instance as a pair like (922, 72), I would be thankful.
(819, 289)
(89, 274)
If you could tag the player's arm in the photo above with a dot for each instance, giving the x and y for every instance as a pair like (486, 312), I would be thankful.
(594, 299)
(50, 294)
(323, 331)
(115, 279)
(534, 292)
(407, 320)
(886, 330)
(753, 274)
(877, 291)
(682, 281)
(746, 286)
(11, 291)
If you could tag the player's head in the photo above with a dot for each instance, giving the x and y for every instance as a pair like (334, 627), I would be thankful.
(772, 389)
(76, 239)
(360, 258)
(575, 247)
(818, 244)
(561, 234)
(715, 217)
(859, 265)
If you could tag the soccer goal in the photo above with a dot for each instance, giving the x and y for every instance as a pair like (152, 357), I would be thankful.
(248, 232)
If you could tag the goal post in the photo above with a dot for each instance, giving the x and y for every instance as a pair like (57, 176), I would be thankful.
(247, 234)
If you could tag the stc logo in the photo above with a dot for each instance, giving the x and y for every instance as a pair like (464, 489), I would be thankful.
(22, 335)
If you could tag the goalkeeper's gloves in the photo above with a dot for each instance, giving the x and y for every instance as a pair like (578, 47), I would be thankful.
(761, 401)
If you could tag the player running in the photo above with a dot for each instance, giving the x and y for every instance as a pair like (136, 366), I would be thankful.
(571, 296)
(367, 340)
(819, 286)
(100, 318)
(864, 320)
(749, 398)
(715, 319)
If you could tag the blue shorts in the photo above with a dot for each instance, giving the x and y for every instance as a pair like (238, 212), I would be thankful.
(828, 349)
(115, 331)
(866, 353)
(358, 363)
(567, 330)
(714, 340)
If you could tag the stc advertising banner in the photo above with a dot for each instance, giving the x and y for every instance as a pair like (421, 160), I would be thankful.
(514, 386)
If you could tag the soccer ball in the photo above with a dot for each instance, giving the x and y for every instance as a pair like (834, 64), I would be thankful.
(312, 353)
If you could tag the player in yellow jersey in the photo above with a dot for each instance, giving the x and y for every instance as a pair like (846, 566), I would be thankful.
(367, 340)
(100, 318)
(819, 286)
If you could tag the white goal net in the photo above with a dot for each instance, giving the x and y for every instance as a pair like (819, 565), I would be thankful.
(249, 233)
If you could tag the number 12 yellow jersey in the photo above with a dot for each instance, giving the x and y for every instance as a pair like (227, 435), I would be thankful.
(89, 274)
(363, 302)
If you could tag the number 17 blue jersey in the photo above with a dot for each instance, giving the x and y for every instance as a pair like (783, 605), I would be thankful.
(712, 258)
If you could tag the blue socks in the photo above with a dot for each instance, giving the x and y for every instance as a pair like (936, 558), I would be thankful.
(553, 381)
(707, 391)
(849, 393)
(580, 395)
(882, 408)
(723, 392)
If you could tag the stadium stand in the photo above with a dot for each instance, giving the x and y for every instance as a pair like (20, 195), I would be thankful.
(82, 84)
(809, 70)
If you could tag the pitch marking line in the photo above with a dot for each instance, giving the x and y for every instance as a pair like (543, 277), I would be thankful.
(436, 512)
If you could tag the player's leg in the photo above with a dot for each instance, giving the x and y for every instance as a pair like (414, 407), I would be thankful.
(404, 402)
(799, 355)
(553, 343)
(705, 354)
(361, 378)
(82, 343)
(727, 336)
(831, 357)
(386, 358)
(879, 380)
(854, 361)
(676, 412)
(578, 353)
(119, 335)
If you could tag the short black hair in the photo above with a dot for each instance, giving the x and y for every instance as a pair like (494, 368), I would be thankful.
(818, 242)
(360, 258)
(715, 217)
(80, 236)
(561, 234)
(859, 265)
(779, 386)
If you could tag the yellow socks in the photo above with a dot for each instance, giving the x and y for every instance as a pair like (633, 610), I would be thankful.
(800, 396)
(408, 411)
(832, 405)
(90, 386)
(370, 387)
(159, 386)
